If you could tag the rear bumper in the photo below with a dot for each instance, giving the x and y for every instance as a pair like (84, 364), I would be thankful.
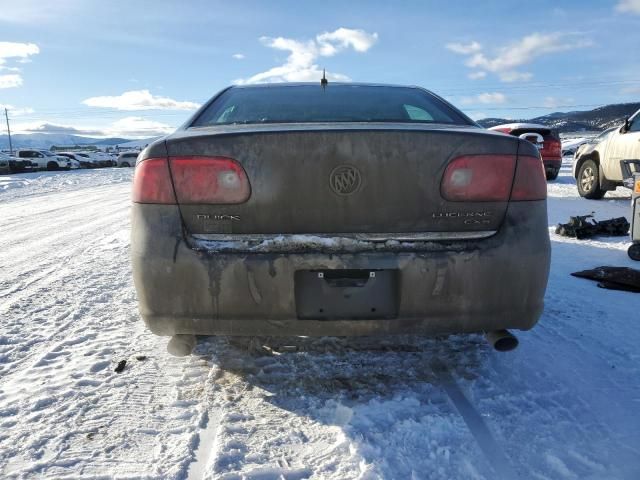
(552, 164)
(466, 286)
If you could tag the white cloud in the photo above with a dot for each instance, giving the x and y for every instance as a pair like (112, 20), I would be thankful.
(14, 50)
(509, 58)
(238, 56)
(138, 127)
(300, 65)
(34, 12)
(139, 100)
(463, 49)
(14, 111)
(128, 127)
(485, 98)
(10, 81)
(477, 75)
(629, 6)
(332, 42)
(46, 127)
(17, 50)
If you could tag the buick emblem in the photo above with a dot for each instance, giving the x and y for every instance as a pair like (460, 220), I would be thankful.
(345, 180)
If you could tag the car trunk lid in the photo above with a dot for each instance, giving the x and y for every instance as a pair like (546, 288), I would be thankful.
(341, 180)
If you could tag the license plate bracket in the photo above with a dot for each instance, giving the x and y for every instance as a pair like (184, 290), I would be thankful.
(346, 294)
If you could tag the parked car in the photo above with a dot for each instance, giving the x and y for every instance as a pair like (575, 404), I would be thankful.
(86, 160)
(354, 209)
(100, 159)
(596, 165)
(127, 159)
(75, 164)
(571, 146)
(550, 148)
(77, 160)
(45, 160)
(4, 164)
(14, 164)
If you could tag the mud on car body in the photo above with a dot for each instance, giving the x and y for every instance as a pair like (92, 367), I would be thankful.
(353, 209)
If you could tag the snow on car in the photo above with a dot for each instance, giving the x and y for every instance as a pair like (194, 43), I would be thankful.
(561, 406)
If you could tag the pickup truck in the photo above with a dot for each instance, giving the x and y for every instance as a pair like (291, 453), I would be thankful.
(597, 165)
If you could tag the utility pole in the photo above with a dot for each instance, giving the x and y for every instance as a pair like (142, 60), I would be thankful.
(6, 115)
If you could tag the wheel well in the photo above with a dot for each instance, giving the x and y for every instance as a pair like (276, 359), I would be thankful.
(51, 163)
(592, 156)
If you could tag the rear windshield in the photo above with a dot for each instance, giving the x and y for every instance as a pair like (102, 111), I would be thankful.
(335, 103)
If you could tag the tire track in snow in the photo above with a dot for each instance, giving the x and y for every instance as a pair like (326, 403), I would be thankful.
(55, 282)
(478, 428)
(64, 413)
(25, 212)
(338, 409)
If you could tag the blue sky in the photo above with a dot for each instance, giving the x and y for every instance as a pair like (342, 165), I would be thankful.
(140, 68)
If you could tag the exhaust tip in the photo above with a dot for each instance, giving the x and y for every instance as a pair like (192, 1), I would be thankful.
(181, 345)
(502, 340)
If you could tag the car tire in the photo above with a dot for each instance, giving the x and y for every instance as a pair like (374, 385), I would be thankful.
(125, 164)
(634, 252)
(553, 175)
(52, 166)
(588, 181)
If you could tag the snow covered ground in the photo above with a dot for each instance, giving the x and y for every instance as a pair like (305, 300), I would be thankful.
(564, 405)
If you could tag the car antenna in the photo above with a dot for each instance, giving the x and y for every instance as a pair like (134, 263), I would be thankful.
(323, 81)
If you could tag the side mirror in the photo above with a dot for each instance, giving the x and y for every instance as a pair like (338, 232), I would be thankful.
(625, 126)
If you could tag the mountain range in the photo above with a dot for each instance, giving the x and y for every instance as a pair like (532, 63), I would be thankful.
(597, 119)
(47, 140)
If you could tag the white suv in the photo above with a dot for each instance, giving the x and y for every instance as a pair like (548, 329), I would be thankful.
(596, 165)
(45, 160)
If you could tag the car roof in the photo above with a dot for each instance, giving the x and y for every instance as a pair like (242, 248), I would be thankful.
(306, 84)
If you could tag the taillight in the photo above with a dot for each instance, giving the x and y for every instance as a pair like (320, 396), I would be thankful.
(152, 182)
(530, 182)
(478, 178)
(209, 180)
